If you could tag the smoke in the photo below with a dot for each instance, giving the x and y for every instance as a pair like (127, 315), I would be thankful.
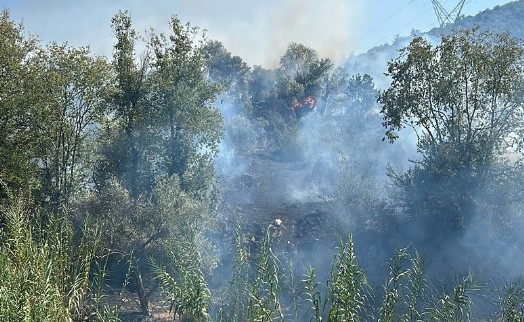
(259, 32)
(325, 26)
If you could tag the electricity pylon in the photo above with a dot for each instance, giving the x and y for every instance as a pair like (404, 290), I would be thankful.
(444, 17)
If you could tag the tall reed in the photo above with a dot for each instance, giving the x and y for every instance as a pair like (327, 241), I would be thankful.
(46, 274)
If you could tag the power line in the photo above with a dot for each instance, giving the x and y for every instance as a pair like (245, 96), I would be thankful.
(384, 21)
(455, 12)
(397, 29)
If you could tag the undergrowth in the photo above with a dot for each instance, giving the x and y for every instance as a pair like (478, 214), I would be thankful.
(45, 274)
(59, 275)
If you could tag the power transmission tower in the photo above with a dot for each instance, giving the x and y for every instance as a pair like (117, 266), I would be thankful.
(444, 17)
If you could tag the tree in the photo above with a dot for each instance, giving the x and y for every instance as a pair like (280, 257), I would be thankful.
(235, 102)
(184, 97)
(300, 76)
(362, 95)
(343, 94)
(50, 100)
(131, 112)
(17, 142)
(260, 86)
(228, 70)
(334, 94)
(154, 177)
(464, 101)
(74, 89)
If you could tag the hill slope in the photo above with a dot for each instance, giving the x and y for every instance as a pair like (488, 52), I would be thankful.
(508, 18)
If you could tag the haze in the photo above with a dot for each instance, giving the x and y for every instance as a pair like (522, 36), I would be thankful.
(257, 31)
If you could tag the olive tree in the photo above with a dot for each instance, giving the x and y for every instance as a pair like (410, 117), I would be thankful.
(463, 99)
(154, 177)
(300, 77)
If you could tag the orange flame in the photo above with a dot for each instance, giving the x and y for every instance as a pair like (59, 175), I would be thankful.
(310, 100)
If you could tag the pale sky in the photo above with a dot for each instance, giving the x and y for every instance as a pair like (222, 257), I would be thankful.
(257, 31)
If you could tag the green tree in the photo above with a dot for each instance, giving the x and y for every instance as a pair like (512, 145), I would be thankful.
(300, 77)
(17, 142)
(51, 99)
(155, 171)
(345, 95)
(74, 89)
(334, 94)
(231, 72)
(362, 95)
(260, 86)
(184, 97)
(128, 128)
(464, 100)
(235, 102)
(123, 176)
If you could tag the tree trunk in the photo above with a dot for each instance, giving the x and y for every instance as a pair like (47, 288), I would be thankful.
(141, 290)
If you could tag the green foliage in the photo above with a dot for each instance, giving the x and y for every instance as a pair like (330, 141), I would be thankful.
(271, 100)
(73, 101)
(184, 97)
(234, 303)
(313, 296)
(301, 72)
(409, 297)
(261, 84)
(156, 150)
(242, 134)
(119, 157)
(165, 124)
(49, 277)
(255, 290)
(300, 75)
(264, 297)
(45, 274)
(455, 305)
(50, 100)
(463, 99)
(127, 134)
(463, 96)
(343, 94)
(17, 93)
(405, 288)
(510, 300)
(231, 72)
(350, 293)
(182, 279)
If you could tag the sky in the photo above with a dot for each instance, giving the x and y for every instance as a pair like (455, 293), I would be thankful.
(258, 31)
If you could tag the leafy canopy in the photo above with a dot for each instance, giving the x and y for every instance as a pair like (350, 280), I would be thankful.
(464, 95)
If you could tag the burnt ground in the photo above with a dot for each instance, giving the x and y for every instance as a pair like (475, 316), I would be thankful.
(282, 194)
(290, 198)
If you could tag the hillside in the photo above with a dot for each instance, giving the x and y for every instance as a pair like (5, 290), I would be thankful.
(508, 18)
(291, 195)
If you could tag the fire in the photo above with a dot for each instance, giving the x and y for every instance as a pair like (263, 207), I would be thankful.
(309, 100)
